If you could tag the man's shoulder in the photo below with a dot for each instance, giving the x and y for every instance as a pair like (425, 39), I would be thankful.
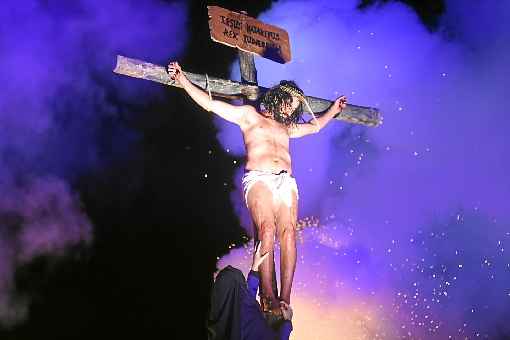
(249, 109)
(251, 115)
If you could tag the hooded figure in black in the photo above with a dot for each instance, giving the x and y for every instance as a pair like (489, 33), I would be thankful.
(224, 317)
(235, 313)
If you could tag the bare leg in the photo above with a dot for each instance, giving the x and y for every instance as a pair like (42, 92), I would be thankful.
(260, 204)
(286, 220)
(274, 285)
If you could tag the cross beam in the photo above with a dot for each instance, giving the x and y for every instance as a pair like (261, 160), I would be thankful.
(356, 114)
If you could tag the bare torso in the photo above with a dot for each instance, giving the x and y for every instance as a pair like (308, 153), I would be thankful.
(266, 142)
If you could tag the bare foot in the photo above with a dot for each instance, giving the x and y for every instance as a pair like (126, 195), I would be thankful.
(273, 313)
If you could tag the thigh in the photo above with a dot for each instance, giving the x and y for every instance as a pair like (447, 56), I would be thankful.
(286, 217)
(260, 204)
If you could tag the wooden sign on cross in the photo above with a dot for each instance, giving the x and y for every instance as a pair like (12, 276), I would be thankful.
(248, 34)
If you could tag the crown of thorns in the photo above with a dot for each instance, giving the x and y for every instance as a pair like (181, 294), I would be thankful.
(293, 92)
(299, 95)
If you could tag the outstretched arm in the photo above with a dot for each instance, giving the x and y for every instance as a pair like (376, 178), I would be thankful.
(315, 125)
(232, 113)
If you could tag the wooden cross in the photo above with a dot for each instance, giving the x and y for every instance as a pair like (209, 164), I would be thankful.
(248, 89)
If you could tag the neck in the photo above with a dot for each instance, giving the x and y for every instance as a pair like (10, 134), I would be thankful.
(267, 114)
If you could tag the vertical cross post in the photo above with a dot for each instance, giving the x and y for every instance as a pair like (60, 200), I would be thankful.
(248, 70)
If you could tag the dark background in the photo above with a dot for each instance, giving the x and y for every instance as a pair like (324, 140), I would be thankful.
(159, 225)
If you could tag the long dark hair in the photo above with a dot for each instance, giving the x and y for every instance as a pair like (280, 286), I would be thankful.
(278, 96)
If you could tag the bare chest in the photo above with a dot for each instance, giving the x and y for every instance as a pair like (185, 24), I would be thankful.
(266, 129)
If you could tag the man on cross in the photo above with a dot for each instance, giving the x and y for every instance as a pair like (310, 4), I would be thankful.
(270, 191)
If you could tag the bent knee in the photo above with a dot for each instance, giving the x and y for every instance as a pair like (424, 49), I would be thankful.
(267, 227)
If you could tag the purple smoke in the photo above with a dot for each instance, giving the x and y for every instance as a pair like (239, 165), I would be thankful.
(57, 60)
(414, 214)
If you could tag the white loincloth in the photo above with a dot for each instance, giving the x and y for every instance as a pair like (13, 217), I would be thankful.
(281, 185)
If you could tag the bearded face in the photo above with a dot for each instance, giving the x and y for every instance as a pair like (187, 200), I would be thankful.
(283, 102)
(287, 111)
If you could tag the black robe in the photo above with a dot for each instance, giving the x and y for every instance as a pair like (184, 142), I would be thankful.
(224, 317)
